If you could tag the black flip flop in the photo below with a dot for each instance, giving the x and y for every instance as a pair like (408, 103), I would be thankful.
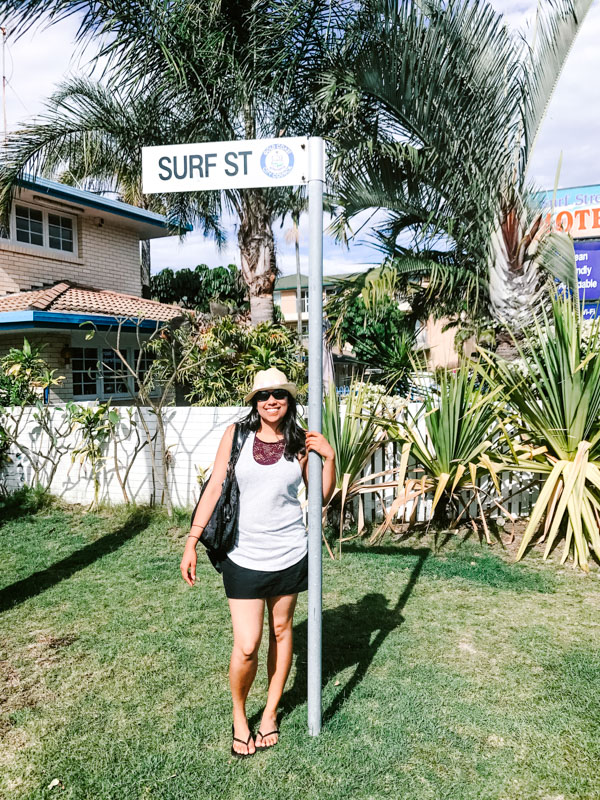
(247, 742)
(263, 736)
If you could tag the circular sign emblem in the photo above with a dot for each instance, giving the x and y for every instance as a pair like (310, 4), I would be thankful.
(277, 161)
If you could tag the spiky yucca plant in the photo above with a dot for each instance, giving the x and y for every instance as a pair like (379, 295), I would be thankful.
(458, 445)
(356, 432)
(554, 391)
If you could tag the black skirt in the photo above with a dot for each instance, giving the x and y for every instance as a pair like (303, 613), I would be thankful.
(254, 584)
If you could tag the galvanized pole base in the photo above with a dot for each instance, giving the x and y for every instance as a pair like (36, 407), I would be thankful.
(316, 156)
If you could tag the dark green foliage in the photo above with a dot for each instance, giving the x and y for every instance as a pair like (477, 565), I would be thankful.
(13, 392)
(23, 373)
(383, 341)
(22, 502)
(363, 329)
(228, 354)
(196, 288)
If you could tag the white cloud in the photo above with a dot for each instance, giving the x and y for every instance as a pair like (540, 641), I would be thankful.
(572, 120)
(35, 63)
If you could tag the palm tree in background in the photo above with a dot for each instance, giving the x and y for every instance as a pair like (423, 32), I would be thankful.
(441, 109)
(90, 136)
(205, 71)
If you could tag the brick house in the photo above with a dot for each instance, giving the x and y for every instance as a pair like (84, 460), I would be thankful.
(71, 257)
(433, 341)
(284, 295)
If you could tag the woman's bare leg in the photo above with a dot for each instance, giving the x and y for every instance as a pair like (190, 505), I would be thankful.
(247, 619)
(279, 659)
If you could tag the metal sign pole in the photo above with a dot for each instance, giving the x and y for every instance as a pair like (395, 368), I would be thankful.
(315, 406)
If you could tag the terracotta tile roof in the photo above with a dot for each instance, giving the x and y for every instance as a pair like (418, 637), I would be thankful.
(67, 296)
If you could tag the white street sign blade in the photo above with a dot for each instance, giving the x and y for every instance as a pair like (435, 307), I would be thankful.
(244, 164)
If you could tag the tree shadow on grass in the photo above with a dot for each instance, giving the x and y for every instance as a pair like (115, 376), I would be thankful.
(348, 638)
(37, 583)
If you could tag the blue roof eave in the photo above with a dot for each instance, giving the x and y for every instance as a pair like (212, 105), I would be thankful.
(69, 193)
(19, 320)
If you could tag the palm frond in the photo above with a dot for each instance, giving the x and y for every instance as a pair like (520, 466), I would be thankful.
(557, 25)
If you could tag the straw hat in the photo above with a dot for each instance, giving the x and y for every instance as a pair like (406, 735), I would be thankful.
(271, 378)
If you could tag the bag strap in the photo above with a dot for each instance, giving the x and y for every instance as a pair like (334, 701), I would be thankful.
(239, 438)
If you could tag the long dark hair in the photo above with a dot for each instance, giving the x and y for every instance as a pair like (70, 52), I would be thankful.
(294, 435)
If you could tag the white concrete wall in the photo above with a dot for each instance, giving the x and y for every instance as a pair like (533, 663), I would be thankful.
(192, 436)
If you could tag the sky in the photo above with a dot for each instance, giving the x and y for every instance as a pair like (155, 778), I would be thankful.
(43, 57)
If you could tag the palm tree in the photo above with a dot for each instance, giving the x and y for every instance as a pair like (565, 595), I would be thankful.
(215, 72)
(441, 107)
(90, 136)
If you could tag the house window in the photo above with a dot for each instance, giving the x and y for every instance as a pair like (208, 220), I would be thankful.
(41, 228)
(29, 225)
(145, 363)
(100, 372)
(84, 362)
(113, 373)
(60, 233)
(304, 301)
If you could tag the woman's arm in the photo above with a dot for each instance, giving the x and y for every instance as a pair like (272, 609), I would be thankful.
(211, 495)
(317, 442)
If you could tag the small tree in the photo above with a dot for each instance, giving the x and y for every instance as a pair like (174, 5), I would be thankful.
(162, 361)
(196, 288)
(95, 426)
(24, 375)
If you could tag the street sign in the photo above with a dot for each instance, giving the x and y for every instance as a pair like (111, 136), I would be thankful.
(244, 164)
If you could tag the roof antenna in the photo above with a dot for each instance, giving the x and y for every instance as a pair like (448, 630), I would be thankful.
(3, 29)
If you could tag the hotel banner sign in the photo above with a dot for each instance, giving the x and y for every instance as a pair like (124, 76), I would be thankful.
(576, 210)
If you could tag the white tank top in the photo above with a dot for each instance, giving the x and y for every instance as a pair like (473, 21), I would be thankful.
(272, 534)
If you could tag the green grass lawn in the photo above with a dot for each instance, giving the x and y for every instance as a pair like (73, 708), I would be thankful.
(456, 675)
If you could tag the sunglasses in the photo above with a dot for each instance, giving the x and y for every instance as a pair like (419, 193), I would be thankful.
(278, 394)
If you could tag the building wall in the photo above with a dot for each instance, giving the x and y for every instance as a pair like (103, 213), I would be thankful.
(54, 343)
(108, 258)
(439, 345)
(288, 305)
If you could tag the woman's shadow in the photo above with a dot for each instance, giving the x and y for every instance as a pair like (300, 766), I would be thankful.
(348, 639)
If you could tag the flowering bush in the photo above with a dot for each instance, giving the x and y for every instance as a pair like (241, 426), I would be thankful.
(376, 399)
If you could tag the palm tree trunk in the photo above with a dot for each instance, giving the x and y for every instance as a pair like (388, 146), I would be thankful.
(257, 254)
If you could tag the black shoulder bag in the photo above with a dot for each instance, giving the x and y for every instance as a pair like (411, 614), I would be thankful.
(220, 532)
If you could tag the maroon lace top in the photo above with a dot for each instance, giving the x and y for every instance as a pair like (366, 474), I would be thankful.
(267, 452)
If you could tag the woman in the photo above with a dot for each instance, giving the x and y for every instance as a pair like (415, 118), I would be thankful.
(269, 562)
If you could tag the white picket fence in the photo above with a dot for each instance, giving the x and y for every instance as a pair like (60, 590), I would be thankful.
(519, 492)
(192, 436)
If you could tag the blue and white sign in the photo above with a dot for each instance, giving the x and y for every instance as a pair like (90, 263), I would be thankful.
(590, 311)
(277, 161)
(242, 164)
(587, 262)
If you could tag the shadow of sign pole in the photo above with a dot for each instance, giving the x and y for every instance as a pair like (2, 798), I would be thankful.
(260, 163)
